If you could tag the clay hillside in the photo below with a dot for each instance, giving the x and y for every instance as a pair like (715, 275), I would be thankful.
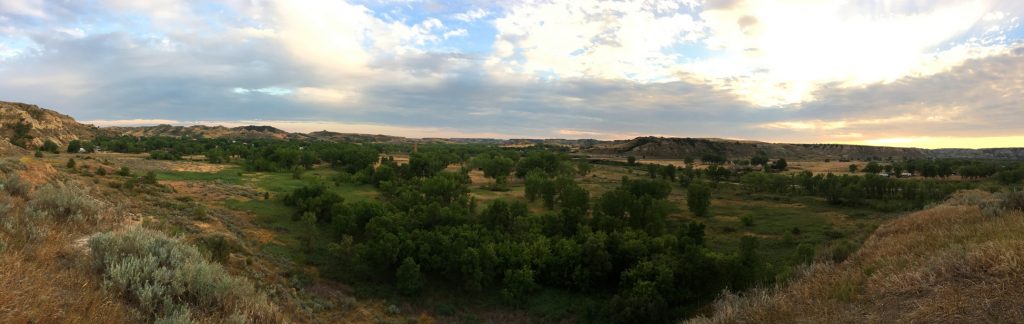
(44, 125)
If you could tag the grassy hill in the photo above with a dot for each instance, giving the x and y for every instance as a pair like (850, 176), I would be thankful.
(961, 261)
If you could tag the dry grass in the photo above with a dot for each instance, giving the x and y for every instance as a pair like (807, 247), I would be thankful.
(949, 263)
(44, 278)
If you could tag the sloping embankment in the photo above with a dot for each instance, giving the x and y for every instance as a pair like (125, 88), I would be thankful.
(959, 262)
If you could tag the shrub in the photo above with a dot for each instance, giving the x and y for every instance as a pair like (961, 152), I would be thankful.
(168, 280)
(14, 186)
(199, 212)
(124, 172)
(71, 163)
(66, 201)
(1014, 200)
(219, 246)
(839, 251)
(101, 171)
(805, 252)
(50, 146)
(747, 220)
(149, 178)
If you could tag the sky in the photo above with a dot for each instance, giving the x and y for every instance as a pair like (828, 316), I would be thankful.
(920, 73)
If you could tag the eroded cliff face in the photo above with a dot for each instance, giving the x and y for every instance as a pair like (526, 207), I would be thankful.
(46, 124)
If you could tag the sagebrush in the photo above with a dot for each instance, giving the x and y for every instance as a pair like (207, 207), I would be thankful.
(169, 279)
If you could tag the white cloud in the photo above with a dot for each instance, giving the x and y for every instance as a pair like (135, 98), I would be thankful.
(73, 32)
(456, 33)
(7, 53)
(32, 8)
(616, 40)
(325, 95)
(472, 15)
(273, 91)
(781, 52)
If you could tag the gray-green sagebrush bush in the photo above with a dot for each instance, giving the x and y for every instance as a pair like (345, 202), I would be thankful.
(66, 201)
(169, 280)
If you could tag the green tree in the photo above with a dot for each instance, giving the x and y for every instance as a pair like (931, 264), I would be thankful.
(533, 184)
(698, 199)
(74, 146)
(759, 159)
(853, 168)
(583, 167)
(71, 163)
(873, 167)
(408, 278)
(668, 172)
(631, 160)
(496, 167)
(780, 165)
(518, 284)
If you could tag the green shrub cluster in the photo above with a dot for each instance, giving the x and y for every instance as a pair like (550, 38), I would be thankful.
(170, 281)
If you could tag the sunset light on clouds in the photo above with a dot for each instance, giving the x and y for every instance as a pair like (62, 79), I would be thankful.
(923, 73)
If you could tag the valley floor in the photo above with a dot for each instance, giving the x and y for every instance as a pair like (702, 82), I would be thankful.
(948, 263)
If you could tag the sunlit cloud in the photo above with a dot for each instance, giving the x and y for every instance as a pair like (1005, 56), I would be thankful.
(893, 73)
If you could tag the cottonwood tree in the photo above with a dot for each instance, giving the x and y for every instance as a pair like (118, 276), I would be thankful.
(698, 199)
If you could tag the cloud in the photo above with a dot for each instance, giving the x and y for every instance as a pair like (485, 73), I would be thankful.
(569, 39)
(781, 53)
(31, 8)
(898, 72)
(472, 15)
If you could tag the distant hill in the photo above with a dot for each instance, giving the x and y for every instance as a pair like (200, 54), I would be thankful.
(357, 138)
(661, 147)
(50, 125)
(677, 148)
(264, 132)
